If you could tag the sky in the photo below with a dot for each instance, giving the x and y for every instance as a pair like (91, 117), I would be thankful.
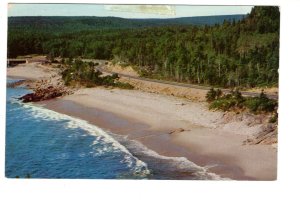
(125, 11)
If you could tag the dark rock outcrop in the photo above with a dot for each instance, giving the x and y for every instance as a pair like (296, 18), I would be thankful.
(45, 92)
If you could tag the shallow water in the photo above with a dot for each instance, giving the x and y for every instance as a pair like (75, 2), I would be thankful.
(41, 143)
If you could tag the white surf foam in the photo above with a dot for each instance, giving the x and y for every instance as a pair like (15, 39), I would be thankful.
(39, 112)
(140, 167)
(180, 163)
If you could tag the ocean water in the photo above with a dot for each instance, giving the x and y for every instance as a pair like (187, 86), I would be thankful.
(41, 143)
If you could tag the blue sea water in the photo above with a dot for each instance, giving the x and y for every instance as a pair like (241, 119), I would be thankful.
(41, 143)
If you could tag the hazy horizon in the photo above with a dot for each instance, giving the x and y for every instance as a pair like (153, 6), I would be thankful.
(123, 11)
(124, 17)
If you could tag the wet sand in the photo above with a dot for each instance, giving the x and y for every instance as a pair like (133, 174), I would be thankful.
(208, 139)
(224, 154)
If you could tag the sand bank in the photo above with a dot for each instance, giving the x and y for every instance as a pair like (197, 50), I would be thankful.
(33, 71)
(208, 138)
(149, 118)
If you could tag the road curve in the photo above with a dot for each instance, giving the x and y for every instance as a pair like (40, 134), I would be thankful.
(186, 85)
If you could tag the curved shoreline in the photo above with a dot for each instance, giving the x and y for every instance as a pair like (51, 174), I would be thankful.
(149, 118)
(159, 141)
(170, 145)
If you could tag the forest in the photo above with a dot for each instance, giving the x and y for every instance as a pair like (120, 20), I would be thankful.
(232, 51)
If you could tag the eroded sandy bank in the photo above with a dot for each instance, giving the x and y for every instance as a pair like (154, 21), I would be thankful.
(209, 138)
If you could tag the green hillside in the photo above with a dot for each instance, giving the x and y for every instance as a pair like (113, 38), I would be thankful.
(63, 24)
(243, 52)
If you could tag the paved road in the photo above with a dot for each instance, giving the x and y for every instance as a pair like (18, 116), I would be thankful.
(102, 63)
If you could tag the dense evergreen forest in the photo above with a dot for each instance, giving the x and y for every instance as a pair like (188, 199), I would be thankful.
(232, 51)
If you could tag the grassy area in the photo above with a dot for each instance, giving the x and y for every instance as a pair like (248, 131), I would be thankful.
(235, 101)
(84, 73)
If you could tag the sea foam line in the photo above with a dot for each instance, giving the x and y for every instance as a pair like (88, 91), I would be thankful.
(181, 163)
(39, 112)
(141, 167)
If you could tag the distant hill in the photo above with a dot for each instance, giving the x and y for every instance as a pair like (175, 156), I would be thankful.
(226, 51)
(94, 23)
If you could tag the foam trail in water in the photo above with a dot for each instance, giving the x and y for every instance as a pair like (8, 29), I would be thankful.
(179, 163)
(139, 167)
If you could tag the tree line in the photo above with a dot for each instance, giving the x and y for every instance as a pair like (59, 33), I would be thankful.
(235, 53)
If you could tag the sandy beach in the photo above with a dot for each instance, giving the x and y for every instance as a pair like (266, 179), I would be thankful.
(207, 138)
(32, 71)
